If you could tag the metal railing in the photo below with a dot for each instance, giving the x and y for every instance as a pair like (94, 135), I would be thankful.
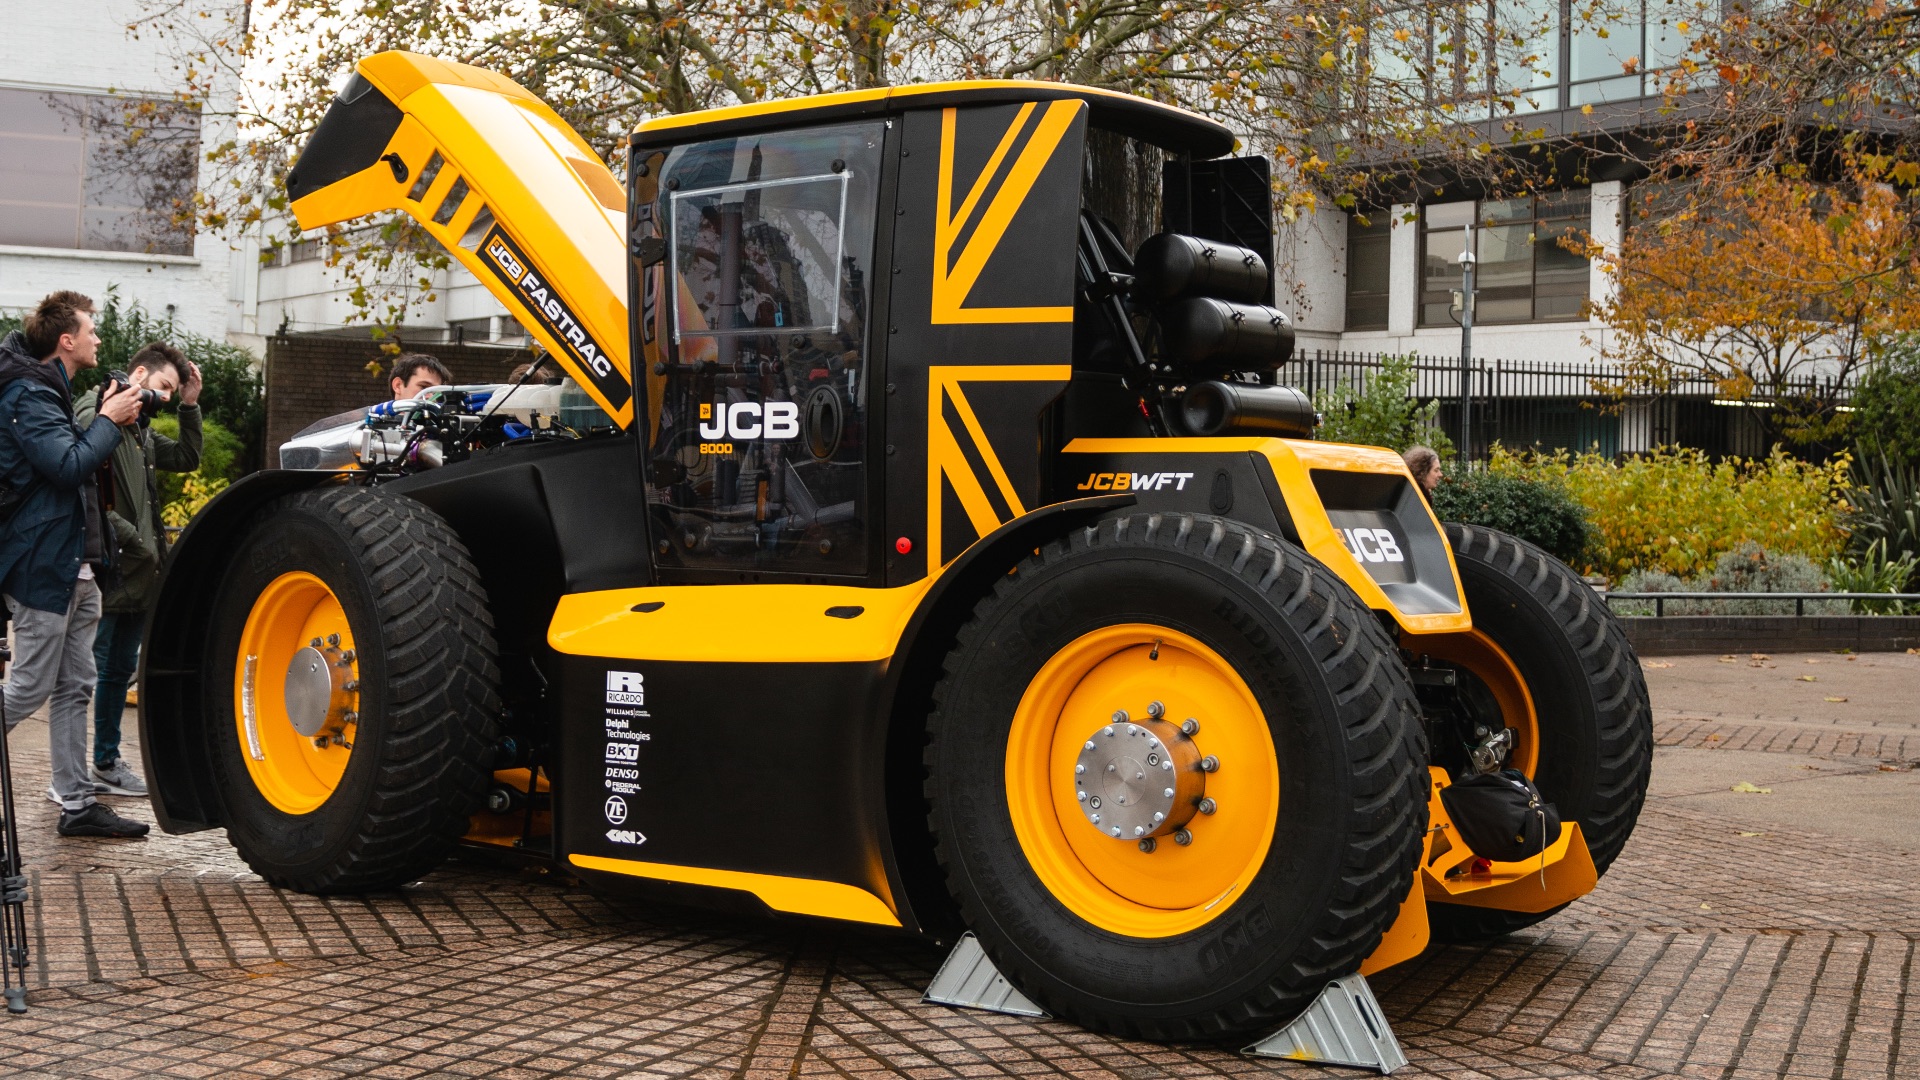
(1799, 599)
(1572, 405)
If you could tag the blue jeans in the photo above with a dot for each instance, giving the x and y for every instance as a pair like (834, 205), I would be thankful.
(116, 652)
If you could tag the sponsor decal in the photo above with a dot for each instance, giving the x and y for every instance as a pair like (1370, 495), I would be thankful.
(530, 286)
(1372, 545)
(1133, 481)
(748, 420)
(626, 836)
(623, 752)
(616, 810)
(626, 688)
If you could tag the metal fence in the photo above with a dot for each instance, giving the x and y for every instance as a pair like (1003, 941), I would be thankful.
(1549, 405)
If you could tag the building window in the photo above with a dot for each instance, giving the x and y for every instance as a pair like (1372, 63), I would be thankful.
(1369, 267)
(97, 172)
(1616, 52)
(1523, 273)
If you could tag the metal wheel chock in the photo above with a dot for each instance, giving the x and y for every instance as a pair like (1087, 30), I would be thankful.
(967, 979)
(1343, 1026)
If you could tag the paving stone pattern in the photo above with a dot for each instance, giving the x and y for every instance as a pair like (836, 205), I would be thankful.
(1705, 953)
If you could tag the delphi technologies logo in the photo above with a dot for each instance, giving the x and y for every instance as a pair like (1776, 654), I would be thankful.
(626, 688)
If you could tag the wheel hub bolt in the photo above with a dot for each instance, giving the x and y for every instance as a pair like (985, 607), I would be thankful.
(1182, 837)
(1156, 710)
(1208, 806)
(1190, 727)
(1153, 759)
(1209, 764)
(1094, 802)
(1168, 793)
(1083, 796)
(1119, 717)
(1148, 845)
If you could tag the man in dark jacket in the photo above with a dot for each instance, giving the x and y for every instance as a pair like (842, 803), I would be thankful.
(133, 509)
(47, 549)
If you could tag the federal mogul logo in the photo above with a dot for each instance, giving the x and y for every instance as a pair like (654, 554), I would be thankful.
(511, 265)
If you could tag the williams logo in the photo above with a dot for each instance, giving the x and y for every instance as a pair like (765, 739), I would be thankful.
(545, 304)
(626, 688)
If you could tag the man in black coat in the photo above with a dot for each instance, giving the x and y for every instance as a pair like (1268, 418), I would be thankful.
(54, 540)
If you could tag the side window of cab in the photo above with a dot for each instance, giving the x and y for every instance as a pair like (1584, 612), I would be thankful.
(759, 321)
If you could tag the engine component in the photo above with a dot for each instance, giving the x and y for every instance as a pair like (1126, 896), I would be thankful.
(1170, 265)
(1206, 336)
(1223, 408)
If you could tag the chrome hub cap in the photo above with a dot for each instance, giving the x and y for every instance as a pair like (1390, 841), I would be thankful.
(1138, 779)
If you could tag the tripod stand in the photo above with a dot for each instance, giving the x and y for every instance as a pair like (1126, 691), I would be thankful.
(13, 881)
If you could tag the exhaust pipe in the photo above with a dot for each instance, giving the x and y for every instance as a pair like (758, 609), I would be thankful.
(1221, 408)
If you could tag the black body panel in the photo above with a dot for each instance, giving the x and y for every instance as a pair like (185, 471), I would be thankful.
(1229, 483)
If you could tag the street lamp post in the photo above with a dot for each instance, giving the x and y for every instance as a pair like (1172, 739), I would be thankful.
(1466, 352)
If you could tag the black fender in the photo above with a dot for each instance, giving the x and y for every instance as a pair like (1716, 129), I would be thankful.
(906, 693)
(173, 739)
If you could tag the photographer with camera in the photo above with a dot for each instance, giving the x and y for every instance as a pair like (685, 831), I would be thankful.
(156, 373)
(55, 537)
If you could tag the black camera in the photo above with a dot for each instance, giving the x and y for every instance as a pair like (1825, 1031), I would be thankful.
(150, 400)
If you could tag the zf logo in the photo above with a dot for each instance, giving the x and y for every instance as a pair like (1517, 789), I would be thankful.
(1134, 481)
(1372, 545)
(750, 420)
(623, 751)
(626, 836)
(626, 688)
(616, 809)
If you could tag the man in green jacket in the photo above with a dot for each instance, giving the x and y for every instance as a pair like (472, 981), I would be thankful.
(134, 511)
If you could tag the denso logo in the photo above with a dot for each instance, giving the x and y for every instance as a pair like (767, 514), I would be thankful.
(1134, 481)
(750, 420)
(1372, 545)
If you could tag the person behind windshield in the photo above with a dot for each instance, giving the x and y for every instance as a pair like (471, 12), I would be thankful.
(415, 372)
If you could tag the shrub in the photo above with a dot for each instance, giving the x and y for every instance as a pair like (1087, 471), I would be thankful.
(1886, 407)
(1383, 413)
(1535, 509)
(1874, 571)
(220, 464)
(1886, 511)
(1748, 568)
(1676, 510)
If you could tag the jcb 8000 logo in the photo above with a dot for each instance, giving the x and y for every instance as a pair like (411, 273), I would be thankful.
(626, 688)
(1134, 481)
(750, 420)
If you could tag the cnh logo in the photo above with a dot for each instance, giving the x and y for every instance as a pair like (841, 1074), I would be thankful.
(1372, 545)
(626, 688)
(1134, 481)
(750, 420)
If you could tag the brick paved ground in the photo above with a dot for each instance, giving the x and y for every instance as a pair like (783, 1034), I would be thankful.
(1740, 935)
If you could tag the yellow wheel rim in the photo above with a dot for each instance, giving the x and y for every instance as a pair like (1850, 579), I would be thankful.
(1477, 652)
(289, 769)
(1112, 883)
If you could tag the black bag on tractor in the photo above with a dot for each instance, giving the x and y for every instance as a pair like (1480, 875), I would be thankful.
(920, 538)
(1501, 816)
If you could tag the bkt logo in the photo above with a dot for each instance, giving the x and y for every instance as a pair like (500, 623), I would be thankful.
(750, 420)
(1372, 545)
(623, 751)
(1134, 481)
(626, 688)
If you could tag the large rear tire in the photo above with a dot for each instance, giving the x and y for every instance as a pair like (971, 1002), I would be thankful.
(1593, 725)
(366, 779)
(1319, 797)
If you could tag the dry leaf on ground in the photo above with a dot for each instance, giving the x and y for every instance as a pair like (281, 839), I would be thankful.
(1760, 656)
(1656, 664)
(1745, 788)
(1809, 678)
(1836, 699)
(1753, 834)
(1734, 659)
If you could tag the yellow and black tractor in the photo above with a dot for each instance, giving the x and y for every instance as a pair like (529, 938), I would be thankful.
(913, 535)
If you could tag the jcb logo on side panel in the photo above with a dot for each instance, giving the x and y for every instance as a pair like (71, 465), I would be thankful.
(1133, 481)
(1372, 545)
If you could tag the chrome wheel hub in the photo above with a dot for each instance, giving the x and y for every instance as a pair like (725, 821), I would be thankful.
(319, 690)
(1138, 779)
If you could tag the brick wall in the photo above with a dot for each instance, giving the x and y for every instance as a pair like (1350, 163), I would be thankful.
(1691, 635)
(309, 378)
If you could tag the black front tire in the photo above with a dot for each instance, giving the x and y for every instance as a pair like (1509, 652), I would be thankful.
(1596, 727)
(429, 699)
(1344, 723)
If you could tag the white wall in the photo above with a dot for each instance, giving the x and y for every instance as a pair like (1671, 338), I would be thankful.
(86, 48)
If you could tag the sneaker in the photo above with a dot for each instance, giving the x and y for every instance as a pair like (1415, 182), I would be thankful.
(54, 796)
(118, 779)
(99, 820)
